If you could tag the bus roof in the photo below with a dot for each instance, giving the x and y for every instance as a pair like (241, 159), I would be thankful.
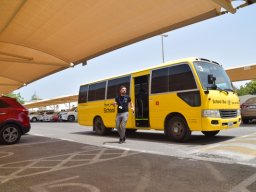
(187, 59)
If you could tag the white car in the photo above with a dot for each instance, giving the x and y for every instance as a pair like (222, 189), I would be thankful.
(34, 117)
(48, 116)
(69, 115)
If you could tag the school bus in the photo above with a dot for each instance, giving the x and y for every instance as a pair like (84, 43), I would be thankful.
(178, 97)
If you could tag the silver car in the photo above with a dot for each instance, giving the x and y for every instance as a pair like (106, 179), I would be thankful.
(248, 110)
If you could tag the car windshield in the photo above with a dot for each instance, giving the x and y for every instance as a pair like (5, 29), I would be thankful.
(203, 69)
(73, 109)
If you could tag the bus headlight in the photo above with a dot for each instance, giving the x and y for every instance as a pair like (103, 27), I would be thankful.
(238, 112)
(211, 113)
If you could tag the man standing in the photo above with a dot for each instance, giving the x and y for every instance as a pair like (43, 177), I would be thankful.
(122, 101)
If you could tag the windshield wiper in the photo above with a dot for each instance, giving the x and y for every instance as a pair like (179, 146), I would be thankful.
(230, 90)
(224, 90)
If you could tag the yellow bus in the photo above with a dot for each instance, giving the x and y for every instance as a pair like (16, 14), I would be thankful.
(178, 97)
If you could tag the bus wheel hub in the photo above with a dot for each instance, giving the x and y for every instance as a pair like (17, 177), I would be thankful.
(176, 129)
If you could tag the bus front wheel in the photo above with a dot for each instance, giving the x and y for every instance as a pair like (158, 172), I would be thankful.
(99, 126)
(177, 129)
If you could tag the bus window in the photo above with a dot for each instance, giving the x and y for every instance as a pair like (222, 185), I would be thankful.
(181, 78)
(83, 94)
(160, 80)
(97, 91)
(205, 68)
(114, 85)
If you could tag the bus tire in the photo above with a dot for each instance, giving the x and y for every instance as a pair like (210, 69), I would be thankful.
(99, 126)
(210, 133)
(177, 129)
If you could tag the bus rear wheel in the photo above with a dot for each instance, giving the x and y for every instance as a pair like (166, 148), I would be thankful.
(210, 133)
(177, 129)
(99, 126)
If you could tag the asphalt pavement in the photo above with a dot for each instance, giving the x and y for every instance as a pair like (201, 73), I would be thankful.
(44, 164)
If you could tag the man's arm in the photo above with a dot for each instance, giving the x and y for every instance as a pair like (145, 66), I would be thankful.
(115, 102)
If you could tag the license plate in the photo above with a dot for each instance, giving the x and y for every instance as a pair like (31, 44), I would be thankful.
(230, 124)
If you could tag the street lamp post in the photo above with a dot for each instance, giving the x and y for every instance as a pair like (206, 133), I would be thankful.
(162, 39)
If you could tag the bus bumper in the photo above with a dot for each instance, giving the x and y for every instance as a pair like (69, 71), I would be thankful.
(214, 124)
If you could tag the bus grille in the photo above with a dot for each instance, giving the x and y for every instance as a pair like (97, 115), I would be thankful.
(228, 113)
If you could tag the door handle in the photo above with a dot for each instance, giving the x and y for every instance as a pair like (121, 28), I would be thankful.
(2, 113)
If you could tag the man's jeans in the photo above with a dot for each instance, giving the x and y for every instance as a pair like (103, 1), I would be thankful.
(121, 120)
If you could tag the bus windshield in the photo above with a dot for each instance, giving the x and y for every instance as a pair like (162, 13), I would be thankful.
(203, 69)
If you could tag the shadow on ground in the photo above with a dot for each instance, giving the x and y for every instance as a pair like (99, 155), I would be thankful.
(160, 137)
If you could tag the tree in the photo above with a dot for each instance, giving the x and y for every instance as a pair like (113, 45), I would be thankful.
(17, 96)
(248, 89)
(35, 97)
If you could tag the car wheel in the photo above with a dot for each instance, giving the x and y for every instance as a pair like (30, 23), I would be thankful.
(10, 134)
(99, 126)
(177, 129)
(245, 121)
(71, 118)
(210, 133)
(34, 119)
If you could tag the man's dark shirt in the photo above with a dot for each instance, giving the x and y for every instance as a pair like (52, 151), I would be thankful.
(122, 102)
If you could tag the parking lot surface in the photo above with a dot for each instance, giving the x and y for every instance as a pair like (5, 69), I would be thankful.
(45, 164)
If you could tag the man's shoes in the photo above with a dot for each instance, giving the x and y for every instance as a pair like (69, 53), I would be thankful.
(122, 140)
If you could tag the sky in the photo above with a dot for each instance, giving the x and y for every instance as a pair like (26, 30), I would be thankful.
(229, 39)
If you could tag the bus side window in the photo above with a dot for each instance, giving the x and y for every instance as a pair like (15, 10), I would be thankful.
(97, 91)
(159, 82)
(114, 86)
(181, 78)
(83, 94)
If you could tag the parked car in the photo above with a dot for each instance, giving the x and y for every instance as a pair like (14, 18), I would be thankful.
(69, 115)
(14, 120)
(248, 110)
(55, 117)
(48, 116)
(35, 116)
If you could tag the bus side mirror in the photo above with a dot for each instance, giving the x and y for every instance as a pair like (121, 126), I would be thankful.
(211, 79)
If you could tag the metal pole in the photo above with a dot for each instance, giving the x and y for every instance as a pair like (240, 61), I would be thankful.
(162, 40)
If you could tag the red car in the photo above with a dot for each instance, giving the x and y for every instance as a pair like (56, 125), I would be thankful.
(14, 120)
(55, 117)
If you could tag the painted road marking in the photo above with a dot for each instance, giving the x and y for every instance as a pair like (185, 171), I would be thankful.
(62, 183)
(83, 157)
(242, 149)
(242, 187)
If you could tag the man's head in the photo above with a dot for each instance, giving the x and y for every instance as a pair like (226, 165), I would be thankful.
(122, 90)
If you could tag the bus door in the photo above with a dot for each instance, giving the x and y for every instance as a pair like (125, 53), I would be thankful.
(141, 86)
